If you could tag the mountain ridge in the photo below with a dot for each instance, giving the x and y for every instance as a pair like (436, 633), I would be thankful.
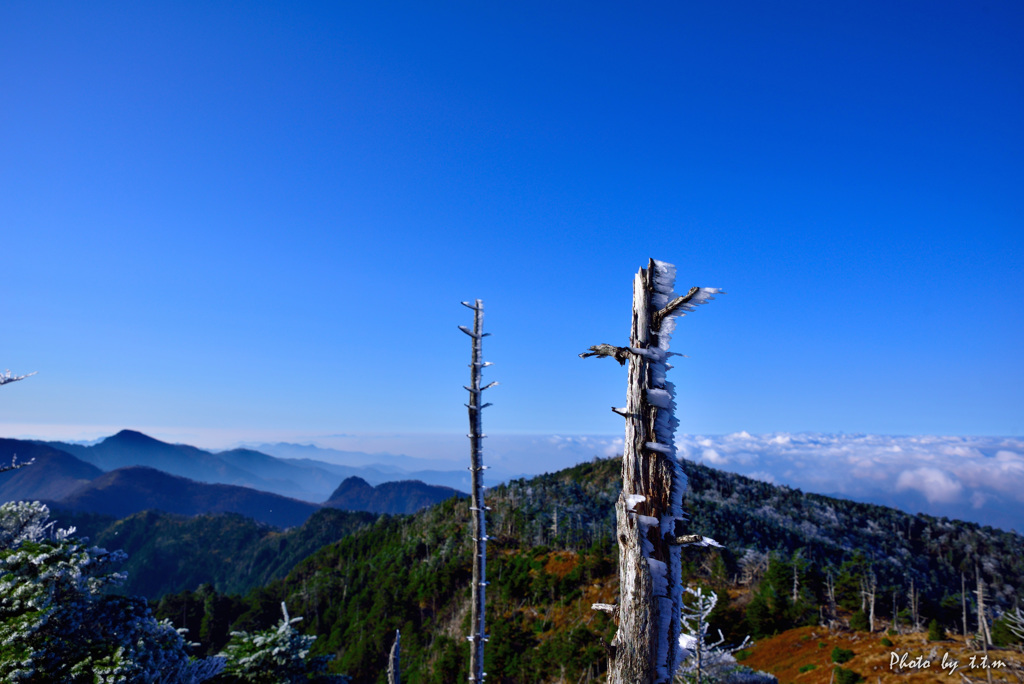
(400, 496)
(125, 491)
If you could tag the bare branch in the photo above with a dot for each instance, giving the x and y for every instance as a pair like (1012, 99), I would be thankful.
(620, 354)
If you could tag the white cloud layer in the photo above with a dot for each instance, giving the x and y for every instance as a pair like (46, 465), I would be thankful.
(972, 478)
(980, 479)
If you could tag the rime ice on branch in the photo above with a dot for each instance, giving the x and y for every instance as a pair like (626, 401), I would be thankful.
(649, 510)
(476, 435)
(5, 378)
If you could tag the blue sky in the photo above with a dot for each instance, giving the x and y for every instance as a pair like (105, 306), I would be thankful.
(235, 221)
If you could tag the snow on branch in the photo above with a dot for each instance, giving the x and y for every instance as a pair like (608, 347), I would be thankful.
(6, 377)
(15, 465)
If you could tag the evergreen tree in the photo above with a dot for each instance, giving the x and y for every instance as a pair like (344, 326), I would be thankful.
(935, 631)
(279, 655)
(58, 625)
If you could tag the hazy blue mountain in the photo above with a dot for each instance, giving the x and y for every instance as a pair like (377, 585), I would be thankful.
(371, 467)
(125, 491)
(407, 496)
(241, 467)
(130, 448)
(358, 459)
(383, 467)
(54, 475)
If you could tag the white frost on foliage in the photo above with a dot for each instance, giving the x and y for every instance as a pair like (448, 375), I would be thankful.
(57, 619)
(280, 653)
(714, 662)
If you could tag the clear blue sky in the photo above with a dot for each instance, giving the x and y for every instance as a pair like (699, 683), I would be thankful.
(263, 216)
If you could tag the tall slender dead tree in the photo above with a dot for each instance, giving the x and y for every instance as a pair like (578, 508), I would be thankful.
(963, 600)
(914, 598)
(394, 662)
(479, 510)
(983, 629)
(868, 592)
(649, 510)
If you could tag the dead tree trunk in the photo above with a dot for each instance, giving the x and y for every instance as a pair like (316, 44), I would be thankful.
(394, 669)
(649, 509)
(963, 601)
(914, 596)
(830, 590)
(895, 614)
(869, 590)
(479, 510)
(796, 583)
(983, 631)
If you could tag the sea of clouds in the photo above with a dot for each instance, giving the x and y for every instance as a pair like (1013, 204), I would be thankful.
(980, 479)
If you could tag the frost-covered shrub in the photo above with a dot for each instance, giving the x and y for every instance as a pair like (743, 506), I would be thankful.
(705, 662)
(279, 655)
(57, 625)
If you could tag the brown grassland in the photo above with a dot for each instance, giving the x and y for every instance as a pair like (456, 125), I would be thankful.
(785, 654)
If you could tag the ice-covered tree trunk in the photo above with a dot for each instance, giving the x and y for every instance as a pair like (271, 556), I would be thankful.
(479, 510)
(649, 510)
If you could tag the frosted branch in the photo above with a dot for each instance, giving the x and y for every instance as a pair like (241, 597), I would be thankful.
(6, 377)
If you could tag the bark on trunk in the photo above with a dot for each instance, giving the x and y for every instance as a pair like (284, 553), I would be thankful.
(477, 507)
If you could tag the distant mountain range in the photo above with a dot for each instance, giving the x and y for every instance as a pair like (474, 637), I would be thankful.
(308, 481)
(370, 468)
(125, 491)
(131, 472)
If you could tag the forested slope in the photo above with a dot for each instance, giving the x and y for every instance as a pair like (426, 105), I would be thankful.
(170, 553)
(553, 556)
